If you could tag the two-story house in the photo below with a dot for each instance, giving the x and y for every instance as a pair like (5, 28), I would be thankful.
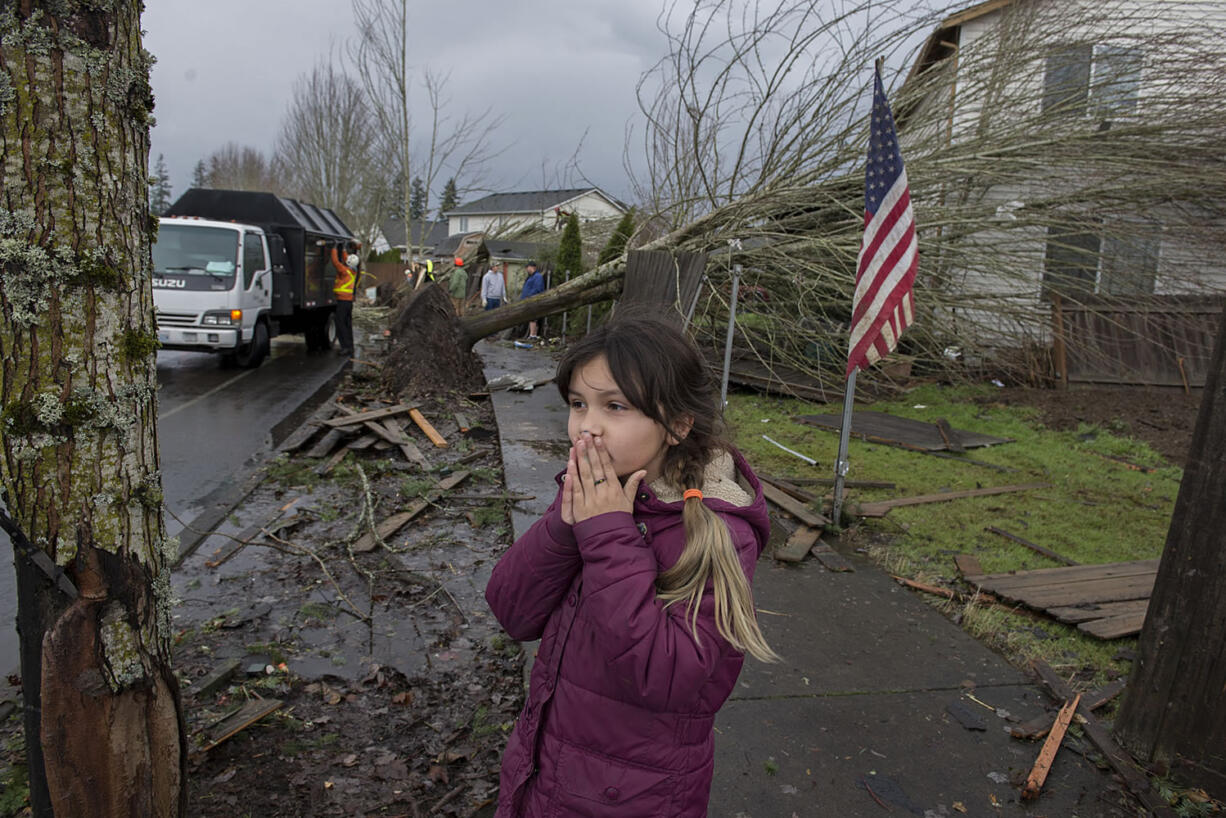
(1076, 130)
(502, 213)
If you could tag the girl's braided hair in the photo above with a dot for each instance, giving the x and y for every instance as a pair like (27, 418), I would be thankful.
(664, 376)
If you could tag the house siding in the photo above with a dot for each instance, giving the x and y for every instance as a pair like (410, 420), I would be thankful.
(1186, 264)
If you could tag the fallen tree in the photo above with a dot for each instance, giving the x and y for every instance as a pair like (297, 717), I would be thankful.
(1025, 185)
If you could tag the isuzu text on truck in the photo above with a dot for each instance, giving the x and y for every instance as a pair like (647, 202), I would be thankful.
(232, 269)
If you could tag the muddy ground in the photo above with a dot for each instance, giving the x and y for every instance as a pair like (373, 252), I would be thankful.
(1163, 418)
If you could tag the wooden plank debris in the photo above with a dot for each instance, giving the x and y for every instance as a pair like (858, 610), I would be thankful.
(1115, 627)
(363, 442)
(881, 508)
(952, 441)
(326, 444)
(429, 431)
(798, 545)
(968, 565)
(1076, 614)
(1122, 763)
(391, 525)
(831, 559)
(397, 437)
(216, 680)
(797, 509)
(1037, 727)
(1035, 547)
(250, 534)
(372, 415)
(1042, 765)
(829, 481)
(328, 465)
(791, 488)
(244, 717)
(299, 437)
(462, 422)
(891, 428)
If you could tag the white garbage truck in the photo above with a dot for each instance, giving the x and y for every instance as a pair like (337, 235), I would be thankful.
(234, 268)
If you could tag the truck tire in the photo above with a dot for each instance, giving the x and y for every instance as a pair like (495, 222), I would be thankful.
(253, 354)
(321, 332)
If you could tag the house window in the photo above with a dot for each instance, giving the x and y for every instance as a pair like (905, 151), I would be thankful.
(1129, 264)
(1070, 264)
(1082, 259)
(463, 224)
(1101, 80)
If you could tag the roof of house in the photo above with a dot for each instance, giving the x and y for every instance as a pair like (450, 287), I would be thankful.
(393, 231)
(532, 201)
(504, 250)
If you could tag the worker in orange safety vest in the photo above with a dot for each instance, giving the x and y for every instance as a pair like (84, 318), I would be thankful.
(346, 280)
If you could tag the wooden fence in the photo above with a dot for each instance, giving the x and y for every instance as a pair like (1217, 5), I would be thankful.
(1143, 341)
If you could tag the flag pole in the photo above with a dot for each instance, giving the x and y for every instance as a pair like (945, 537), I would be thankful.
(840, 464)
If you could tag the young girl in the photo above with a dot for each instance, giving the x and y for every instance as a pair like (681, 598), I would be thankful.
(637, 583)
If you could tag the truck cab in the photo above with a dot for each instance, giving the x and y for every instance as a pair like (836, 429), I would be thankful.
(212, 287)
(233, 268)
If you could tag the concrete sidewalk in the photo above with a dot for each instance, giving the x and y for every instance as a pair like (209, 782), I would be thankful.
(856, 720)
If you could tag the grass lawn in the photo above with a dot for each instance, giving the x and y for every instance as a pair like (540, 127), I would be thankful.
(1095, 509)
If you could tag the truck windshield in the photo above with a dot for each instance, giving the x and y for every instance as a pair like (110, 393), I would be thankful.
(185, 249)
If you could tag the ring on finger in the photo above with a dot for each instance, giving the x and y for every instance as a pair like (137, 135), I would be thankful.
(598, 481)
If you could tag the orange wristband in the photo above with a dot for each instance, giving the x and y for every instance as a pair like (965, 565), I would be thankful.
(688, 493)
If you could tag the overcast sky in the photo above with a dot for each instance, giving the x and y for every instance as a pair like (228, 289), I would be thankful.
(226, 68)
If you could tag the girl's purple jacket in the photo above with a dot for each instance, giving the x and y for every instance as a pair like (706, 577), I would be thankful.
(622, 698)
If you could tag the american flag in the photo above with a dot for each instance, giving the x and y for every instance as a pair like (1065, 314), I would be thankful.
(882, 307)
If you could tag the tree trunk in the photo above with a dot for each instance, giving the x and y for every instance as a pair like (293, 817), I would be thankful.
(78, 449)
(1173, 708)
(574, 293)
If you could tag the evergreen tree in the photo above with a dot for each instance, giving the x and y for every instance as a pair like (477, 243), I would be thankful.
(451, 197)
(159, 187)
(620, 238)
(200, 176)
(570, 248)
(417, 199)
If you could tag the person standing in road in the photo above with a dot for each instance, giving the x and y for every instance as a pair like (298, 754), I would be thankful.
(346, 280)
(457, 286)
(534, 284)
(637, 581)
(493, 289)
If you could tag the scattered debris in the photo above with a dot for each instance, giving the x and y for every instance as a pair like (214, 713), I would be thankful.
(1106, 601)
(1042, 765)
(798, 544)
(385, 529)
(803, 457)
(968, 718)
(1037, 727)
(830, 558)
(237, 720)
(1035, 547)
(882, 507)
(1123, 764)
(797, 509)
(878, 427)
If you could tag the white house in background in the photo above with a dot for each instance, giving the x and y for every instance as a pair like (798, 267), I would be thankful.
(1085, 70)
(503, 212)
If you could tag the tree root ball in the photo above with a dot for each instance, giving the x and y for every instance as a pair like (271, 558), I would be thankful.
(427, 354)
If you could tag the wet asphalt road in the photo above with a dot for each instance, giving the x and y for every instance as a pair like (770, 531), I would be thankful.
(214, 424)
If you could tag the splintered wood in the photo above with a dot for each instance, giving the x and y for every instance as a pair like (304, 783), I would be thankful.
(353, 430)
(1042, 765)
